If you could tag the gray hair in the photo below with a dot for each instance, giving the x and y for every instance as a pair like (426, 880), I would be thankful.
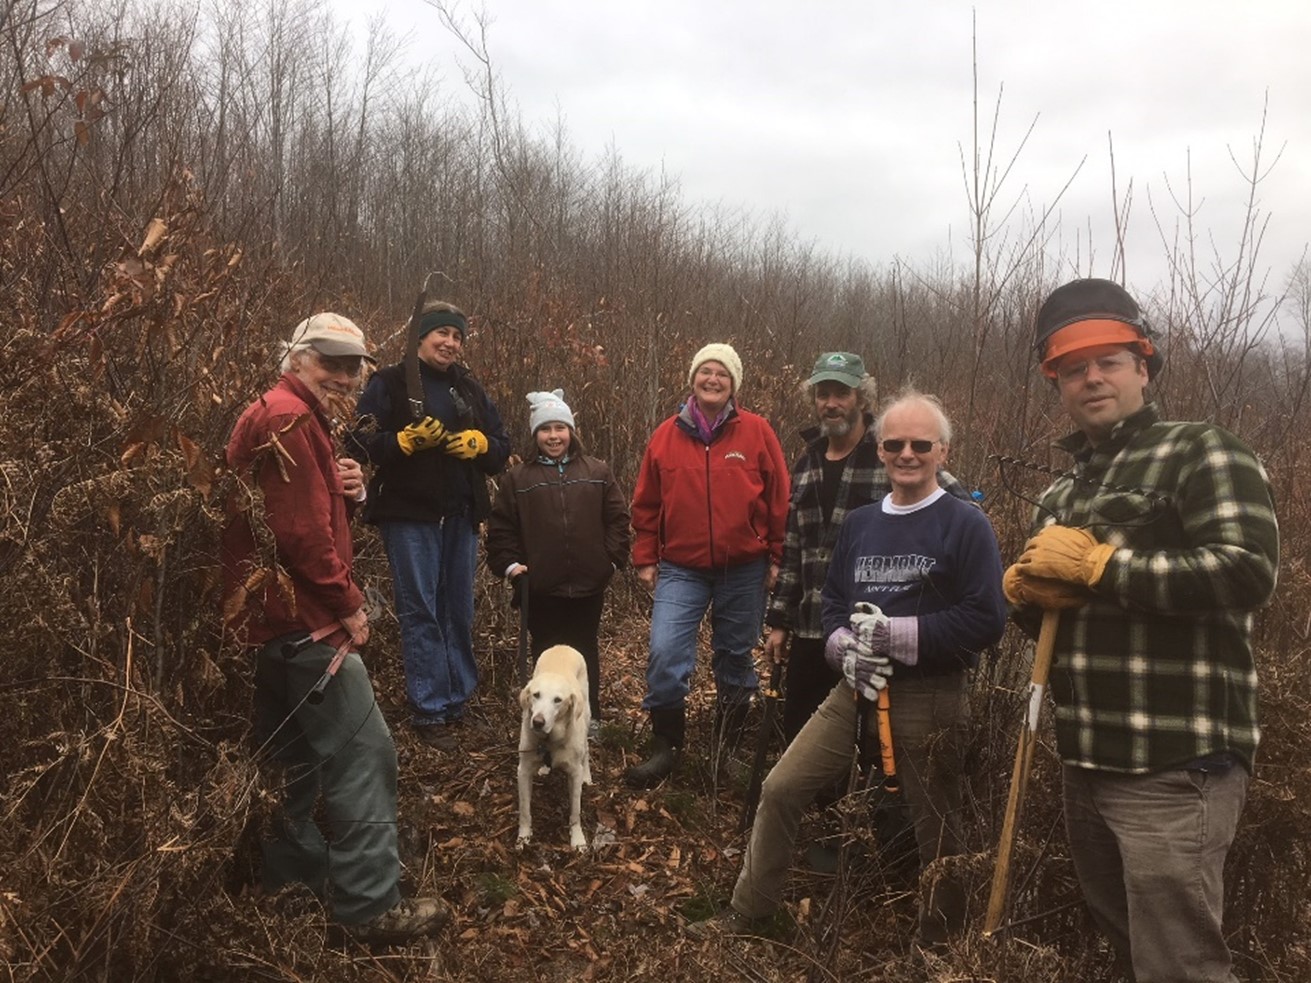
(909, 396)
(867, 391)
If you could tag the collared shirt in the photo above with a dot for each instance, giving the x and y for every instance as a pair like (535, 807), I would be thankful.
(810, 536)
(1157, 669)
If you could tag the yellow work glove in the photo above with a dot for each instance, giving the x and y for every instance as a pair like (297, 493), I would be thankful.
(466, 445)
(1062, 553)
(1050, 595)
(421, 436)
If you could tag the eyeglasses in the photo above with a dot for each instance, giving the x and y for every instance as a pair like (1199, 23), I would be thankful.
(348, 364)
(918, 446)
(1106, 365)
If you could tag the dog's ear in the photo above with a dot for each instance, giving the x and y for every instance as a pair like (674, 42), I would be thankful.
(525, 695)
(576, 704)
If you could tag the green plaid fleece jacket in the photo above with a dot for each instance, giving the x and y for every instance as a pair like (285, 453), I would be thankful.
(1157, 669)
(808, 540)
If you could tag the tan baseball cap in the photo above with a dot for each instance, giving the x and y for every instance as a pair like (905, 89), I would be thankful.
(331, 334)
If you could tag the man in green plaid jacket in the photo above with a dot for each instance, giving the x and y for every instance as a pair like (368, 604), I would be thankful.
(1157, 547)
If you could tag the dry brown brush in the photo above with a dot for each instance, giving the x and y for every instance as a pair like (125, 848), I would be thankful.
(176, 191)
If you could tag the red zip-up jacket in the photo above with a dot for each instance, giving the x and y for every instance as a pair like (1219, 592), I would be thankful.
(308, 515)
(710, 506)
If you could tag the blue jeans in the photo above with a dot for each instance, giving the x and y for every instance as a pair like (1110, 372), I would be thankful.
(341, 750)
(736, 599)
(1150, 853)
(432, 566)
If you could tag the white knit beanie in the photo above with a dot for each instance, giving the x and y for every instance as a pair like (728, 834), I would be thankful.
(549, 408)
(725, 356)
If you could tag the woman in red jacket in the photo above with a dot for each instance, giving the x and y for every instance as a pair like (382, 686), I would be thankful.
(709, 512)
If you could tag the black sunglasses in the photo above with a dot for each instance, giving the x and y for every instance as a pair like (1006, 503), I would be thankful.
(918, 446)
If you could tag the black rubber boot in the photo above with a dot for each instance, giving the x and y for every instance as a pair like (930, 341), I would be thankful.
(667, 731)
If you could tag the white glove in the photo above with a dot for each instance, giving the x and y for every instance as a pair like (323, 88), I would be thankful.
(866, 672)
(865, 617)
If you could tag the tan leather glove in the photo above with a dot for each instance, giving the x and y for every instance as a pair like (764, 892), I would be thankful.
(1050, 595)
(421, 436)
(1062, 553)
(466, 445)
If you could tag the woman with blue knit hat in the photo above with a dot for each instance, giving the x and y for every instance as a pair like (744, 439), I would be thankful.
(560, 522)
(427, 497)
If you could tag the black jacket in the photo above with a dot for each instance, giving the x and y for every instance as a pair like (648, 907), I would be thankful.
(429, 485)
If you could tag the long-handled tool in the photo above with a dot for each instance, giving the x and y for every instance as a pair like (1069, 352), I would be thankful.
(890, 780)
(315, 696)
(413, 381)
(770, 695)
(1042, 662)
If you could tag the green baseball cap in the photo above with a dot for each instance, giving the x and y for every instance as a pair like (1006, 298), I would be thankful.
(842, 367)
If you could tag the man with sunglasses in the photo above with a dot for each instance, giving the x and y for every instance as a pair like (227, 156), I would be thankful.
(838, 471)
(289, 590)
(1158, 548)
(912, 594)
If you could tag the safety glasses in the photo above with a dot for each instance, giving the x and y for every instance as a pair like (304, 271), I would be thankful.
(918, 446)
(350, 365)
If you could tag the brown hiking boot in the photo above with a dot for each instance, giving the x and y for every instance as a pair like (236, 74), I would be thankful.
(730, 923)
(408, 919)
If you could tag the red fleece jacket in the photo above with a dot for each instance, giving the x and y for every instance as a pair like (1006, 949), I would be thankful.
(308, 515)
(710, 506)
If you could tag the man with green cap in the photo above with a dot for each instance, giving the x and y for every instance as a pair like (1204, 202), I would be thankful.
(838, 471)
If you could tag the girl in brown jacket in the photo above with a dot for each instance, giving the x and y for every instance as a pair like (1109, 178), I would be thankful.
(560, 521)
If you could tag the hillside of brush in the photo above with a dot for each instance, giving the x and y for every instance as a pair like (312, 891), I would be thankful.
(176, 193)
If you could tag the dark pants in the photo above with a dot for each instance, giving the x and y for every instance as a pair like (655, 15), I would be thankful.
(572, 621)
(337, 753)
(809, 682)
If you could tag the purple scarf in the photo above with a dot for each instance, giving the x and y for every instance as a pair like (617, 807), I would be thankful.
(704, 428)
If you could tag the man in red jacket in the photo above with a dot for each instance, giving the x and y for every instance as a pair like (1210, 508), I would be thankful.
(709, 512)
(289, 591)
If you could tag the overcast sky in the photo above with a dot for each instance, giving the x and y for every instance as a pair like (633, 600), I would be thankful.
(849, 118)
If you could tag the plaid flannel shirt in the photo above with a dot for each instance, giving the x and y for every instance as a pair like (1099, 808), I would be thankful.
(808, 541)
(1157, 669)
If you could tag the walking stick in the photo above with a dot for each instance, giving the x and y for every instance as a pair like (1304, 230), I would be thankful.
(1042, 662)
(521, 585)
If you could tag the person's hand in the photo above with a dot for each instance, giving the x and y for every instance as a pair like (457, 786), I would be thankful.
(466, 444)
(352, 477)
(865, 618)
(516, 569)
(421, 436)
(771, 578)
(358, 626)
(1050, 595)
(1062, 553)
(647, 575)
(776, 645)
(864, 671)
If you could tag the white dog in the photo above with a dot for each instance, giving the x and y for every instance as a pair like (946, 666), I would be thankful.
(554, 730)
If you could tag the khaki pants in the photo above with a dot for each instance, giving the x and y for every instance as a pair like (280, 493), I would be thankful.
(928, 717)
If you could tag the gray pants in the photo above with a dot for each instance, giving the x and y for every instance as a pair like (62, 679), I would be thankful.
(928, 717)
(1150, 852)
(340, 749)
